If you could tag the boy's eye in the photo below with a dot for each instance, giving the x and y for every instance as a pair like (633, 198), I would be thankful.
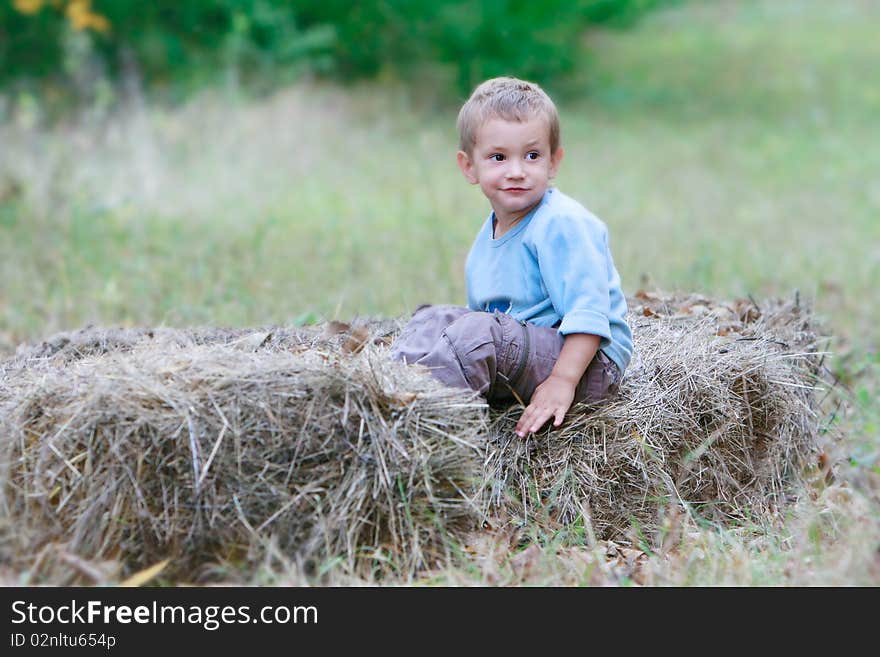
(534, 155)
(497, 157)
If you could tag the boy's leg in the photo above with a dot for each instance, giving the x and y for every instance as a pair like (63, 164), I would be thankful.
(601, 380)
(493, 353)
(458, 345)
(535, 349)
(486, 352)
(423, 331)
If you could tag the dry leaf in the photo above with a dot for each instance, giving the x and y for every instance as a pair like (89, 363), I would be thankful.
(746, 311)
(254, 340)
(142, 577)
(335, 328)
(356, 340)
(405, 398)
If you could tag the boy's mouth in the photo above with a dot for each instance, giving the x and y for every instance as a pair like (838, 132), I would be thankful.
(515, 189)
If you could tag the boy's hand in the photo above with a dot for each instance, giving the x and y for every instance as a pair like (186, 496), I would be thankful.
(552, 398)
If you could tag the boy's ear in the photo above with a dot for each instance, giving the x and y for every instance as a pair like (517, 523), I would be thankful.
(555, 161)
(467, 167)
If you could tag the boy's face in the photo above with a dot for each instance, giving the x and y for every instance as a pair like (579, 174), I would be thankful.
(512, 163)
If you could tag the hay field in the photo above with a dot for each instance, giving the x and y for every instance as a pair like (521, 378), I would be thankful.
(731, 147)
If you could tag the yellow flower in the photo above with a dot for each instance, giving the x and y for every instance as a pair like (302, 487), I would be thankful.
(98, 23)
(81, 16)
(27, 6)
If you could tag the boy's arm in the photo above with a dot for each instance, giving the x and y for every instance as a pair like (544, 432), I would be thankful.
(554, 396)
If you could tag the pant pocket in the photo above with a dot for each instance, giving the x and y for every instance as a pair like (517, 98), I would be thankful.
(526, 358)
(421, 334)
(599, 381)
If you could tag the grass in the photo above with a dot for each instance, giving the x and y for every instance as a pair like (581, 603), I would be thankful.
(731, 148)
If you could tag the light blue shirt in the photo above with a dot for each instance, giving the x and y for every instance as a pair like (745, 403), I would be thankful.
(553, 268)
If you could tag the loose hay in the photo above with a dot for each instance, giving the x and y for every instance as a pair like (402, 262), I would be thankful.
(217, 447)
(717, 413)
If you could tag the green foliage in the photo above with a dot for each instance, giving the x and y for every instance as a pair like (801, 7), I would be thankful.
(271, 41)
(619, 13)
(29, 44)
(540, 41)
(474, 40)
(168, 41)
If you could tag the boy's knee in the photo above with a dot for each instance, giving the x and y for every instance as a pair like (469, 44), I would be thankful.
(473, 332)
(473, 341)
(423, 330)
(456, 344)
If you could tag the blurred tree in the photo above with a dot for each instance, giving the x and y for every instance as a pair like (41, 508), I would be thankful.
(538, 40)
(275, 40)
(168, 38)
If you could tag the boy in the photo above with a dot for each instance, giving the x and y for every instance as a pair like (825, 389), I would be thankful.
(545, 318)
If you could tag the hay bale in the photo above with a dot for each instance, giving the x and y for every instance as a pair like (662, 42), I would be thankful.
(204, 446)
(216, 446)
(717, 413)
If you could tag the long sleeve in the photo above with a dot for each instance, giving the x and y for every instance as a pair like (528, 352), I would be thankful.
(572, 257)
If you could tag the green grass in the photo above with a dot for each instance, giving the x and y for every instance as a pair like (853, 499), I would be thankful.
(732, 148)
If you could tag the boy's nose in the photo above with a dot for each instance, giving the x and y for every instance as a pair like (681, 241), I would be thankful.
(515, 169)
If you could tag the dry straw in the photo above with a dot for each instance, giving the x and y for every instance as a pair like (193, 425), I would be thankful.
(214, 448)
(718, 414)
(202, 447)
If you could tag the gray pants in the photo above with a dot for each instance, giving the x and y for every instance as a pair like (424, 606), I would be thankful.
(501, 358)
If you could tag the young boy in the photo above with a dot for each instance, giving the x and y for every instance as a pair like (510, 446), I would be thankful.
(545, 318)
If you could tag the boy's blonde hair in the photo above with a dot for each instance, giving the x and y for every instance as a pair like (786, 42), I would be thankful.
(505, 98)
